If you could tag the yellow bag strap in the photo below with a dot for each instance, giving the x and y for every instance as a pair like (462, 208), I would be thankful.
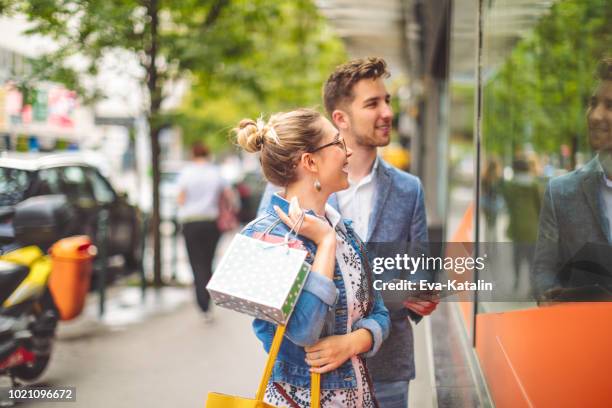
(315, 390)
(315, 379)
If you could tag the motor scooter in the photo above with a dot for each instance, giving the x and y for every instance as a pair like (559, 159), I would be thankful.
(28, 314)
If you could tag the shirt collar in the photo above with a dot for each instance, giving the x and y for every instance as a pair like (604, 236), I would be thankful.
(374, 168)
(333, 216)
(369, 177)
(599, 166)
(600, 169)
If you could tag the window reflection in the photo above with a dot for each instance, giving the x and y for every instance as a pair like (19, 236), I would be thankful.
(546, 125)
(573, 256)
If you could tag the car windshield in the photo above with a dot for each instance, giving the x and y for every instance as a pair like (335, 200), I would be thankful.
(13, 185)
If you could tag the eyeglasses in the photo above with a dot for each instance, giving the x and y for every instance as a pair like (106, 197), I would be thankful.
(338, 142)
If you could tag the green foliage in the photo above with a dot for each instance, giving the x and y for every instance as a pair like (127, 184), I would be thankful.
(197, 37)
(284, 69)
(539, 94)
(241, 57)
(7, 7)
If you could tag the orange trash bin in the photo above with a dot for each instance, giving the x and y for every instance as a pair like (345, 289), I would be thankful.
(72, 260)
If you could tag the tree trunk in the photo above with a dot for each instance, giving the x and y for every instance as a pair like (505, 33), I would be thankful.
(155, 150)
(154, 129)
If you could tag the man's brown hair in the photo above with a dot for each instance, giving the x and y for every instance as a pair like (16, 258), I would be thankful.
(604, 69)
(338, 88)
(199, 149)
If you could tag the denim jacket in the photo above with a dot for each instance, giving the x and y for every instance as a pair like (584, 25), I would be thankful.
(321, 311)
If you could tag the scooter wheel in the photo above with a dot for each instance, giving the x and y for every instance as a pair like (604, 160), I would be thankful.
(30, 372)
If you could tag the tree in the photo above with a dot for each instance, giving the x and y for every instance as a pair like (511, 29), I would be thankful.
(539, 94)
(240, 56)
(171, 40)
(285, 69)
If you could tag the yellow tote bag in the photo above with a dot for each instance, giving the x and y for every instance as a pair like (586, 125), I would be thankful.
(216, 400)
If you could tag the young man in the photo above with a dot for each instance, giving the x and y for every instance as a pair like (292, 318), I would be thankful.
(574, 232)
(384, 203)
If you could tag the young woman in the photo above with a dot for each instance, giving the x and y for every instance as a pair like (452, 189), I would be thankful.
(339, 319)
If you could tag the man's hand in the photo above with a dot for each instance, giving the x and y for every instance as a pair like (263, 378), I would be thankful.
(422, 307)
(550, 296)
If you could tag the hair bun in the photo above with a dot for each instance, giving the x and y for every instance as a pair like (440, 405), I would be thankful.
(249, 136)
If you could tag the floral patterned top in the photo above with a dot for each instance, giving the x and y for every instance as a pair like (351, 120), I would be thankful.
(356, 283)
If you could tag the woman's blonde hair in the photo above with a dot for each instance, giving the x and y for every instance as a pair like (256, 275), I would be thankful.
(281, 141)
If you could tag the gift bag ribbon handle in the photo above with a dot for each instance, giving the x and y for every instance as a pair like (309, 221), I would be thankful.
(295, 230)
(315, 379)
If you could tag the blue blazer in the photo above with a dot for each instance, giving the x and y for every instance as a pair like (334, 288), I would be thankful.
(572, 216)
(398, 215)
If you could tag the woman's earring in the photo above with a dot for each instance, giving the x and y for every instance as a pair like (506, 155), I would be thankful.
(317, 185)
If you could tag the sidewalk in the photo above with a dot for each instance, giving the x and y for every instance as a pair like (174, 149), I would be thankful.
(157, 354)
(422, 391)
(161, 353)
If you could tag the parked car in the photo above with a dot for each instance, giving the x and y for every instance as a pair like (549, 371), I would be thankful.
(26, 175)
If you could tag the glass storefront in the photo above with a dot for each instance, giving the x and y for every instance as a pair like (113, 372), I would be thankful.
(530, 183)
(539, 74)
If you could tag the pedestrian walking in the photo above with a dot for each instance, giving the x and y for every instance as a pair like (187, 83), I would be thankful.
(201, 192)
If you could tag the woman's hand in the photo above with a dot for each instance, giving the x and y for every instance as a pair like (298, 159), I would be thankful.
(331, 352)
(313, 228)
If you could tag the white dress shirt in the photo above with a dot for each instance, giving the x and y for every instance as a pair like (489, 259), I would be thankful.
(356, 202)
